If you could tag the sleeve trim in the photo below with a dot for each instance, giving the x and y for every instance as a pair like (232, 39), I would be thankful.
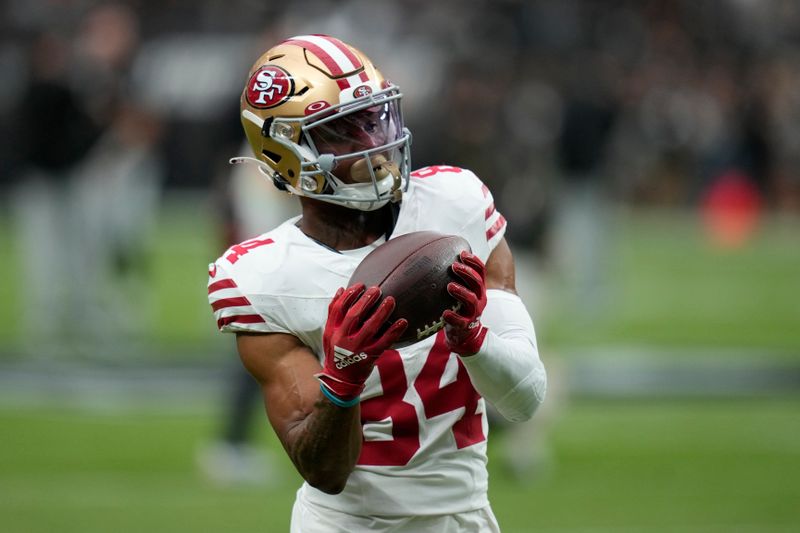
(495, 228)
(240, 319)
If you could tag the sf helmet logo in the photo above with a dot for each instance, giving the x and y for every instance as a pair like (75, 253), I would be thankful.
(362, 90)
(269, 86)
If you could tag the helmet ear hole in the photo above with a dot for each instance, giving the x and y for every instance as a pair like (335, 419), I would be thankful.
(272, 156)
(265, 127)
(279, 181)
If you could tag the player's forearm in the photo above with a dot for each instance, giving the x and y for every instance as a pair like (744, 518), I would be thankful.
(507, 370)
(325, 445)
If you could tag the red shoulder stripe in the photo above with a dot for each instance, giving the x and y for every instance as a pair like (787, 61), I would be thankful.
(490, 211)
(242, 319)
(230, 302)
(497, 226)
(221, 284)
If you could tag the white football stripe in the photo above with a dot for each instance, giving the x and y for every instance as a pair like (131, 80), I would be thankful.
(331, 49)
(355, 80)
(224, 294)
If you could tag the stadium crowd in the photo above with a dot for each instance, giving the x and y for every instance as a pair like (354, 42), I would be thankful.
(560, 106)
(657, 96)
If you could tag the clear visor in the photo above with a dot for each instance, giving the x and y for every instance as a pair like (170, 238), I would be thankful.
(365, 134)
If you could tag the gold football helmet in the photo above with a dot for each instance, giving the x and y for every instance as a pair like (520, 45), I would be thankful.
(324, 123)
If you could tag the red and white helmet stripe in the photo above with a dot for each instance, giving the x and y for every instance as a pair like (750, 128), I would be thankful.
(335, 55)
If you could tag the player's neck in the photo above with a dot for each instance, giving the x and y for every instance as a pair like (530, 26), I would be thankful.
(341, 228)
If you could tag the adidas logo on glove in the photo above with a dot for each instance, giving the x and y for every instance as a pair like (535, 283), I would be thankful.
(345, 358)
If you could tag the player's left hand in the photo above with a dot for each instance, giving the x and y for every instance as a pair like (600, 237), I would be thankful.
(463, 329)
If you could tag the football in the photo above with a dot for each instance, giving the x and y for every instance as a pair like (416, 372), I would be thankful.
(415, 270)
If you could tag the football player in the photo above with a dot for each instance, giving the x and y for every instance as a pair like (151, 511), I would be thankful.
(385, 439)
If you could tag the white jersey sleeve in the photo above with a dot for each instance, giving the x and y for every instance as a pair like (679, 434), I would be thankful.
(233, 309)
(278, 282)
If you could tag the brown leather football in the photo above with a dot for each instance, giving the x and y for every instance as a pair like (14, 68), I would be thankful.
(415, 269)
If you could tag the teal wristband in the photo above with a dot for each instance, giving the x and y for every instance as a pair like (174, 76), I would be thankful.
(335, 400)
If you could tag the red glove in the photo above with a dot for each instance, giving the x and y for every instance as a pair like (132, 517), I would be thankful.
(354, 337)
(463, 329)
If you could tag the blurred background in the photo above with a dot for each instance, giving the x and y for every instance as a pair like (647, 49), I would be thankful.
(645, 154)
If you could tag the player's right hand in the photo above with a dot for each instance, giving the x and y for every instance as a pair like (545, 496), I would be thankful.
(354, 336)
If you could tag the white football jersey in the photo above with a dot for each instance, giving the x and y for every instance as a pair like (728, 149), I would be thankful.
(424, 425)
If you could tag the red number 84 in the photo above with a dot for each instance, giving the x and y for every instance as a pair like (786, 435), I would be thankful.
(436, 400)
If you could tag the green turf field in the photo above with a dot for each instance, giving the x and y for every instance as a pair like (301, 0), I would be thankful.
(666, 287)
(669, 287)
(727, 466)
